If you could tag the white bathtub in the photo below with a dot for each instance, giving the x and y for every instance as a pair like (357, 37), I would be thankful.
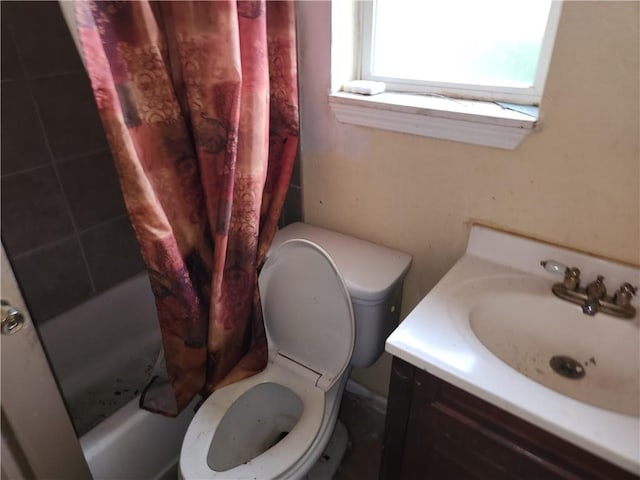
(103, 352)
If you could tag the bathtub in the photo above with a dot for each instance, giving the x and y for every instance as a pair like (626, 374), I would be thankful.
(103, 352)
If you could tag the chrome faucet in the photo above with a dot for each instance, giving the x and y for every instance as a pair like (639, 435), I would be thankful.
(593, 298)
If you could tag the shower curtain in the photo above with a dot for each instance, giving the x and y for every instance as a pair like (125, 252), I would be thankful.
(199, 104)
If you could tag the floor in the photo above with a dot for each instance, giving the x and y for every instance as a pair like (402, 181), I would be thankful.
(366, 429)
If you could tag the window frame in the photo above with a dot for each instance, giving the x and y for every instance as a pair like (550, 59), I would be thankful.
(524, 96)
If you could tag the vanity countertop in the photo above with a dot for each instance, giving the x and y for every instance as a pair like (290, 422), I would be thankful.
(437, 337)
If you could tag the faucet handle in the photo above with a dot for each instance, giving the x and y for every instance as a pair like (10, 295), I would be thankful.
(571, 275)
(597, 290)
(553, 266)
(623, 295)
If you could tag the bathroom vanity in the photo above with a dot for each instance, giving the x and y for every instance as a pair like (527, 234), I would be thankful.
(495, 376)
(437, 431)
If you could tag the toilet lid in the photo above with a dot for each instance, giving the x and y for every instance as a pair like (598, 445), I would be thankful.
(307, 309)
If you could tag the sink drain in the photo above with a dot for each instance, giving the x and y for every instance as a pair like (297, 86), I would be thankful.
(567, 367)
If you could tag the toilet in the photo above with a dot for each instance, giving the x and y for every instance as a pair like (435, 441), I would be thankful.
(329, 302)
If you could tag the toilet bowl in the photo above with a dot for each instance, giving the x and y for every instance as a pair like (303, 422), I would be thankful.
(277, 423)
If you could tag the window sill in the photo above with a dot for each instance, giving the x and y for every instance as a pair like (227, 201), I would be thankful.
(467, 121)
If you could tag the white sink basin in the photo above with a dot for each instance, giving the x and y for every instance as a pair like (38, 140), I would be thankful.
(491, 326)
(524, 325)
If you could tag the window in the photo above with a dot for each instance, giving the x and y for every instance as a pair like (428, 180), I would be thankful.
(453, 69)
(479, 49)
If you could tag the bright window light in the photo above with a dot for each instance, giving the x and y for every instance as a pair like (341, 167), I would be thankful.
(486, 45)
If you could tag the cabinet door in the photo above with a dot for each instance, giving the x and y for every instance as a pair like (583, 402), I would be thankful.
(447, 438)
(443, 443)
(451, 434)
(435, 463)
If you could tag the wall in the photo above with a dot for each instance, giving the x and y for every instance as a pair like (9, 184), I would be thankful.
(64, 224)
(292, 209)
(574, 183)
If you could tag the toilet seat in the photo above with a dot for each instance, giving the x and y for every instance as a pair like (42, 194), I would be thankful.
(308, 316)
(275, 461)
(310, 331)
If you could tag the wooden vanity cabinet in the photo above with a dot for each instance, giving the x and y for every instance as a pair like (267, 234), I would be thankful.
(437, 431)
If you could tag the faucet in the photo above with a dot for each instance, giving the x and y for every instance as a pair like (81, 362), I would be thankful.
(593, 298)
(595, 291)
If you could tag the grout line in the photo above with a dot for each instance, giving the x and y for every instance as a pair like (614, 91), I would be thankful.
(45, 76)
(58, 161)
(12, 79)
(103, 223)
(26, 170)
(68, 237)
(76, 156)
(39, 248)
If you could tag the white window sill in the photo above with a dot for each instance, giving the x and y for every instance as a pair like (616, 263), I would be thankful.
(467, 121)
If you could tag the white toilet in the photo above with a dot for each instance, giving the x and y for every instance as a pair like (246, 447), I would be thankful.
(329, 302)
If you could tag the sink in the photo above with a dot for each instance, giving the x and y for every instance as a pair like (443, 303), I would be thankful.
(591, 359)
(493, 327)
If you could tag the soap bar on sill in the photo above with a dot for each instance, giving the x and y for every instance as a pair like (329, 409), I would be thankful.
(364, 87)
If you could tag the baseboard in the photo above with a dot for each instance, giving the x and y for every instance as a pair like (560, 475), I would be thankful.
(376, 402)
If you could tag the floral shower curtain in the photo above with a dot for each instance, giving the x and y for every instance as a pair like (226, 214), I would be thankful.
(199, 103)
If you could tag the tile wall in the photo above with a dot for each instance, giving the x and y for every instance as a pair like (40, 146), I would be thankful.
(64, 224)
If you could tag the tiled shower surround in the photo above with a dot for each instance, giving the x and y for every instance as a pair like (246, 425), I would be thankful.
(64, 224)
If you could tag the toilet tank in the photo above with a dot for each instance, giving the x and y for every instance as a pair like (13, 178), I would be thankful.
(373, 274)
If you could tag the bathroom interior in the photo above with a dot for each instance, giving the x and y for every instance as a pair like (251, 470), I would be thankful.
(573, 184)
